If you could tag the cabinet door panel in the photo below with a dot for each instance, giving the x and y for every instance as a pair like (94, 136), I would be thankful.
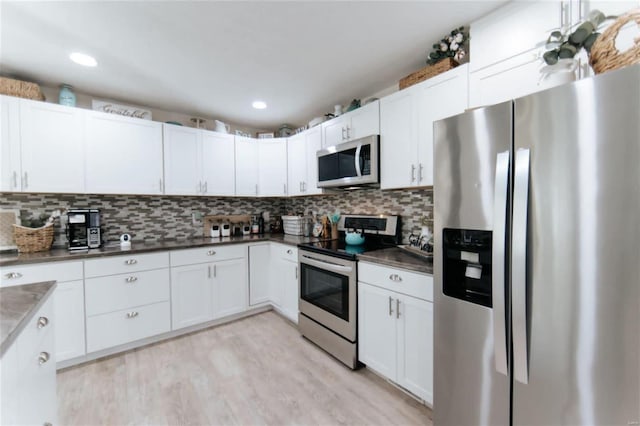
(334, 132)
(272, 166)
(313, 139)
(437, 99)
(230, 287)
(246, 166)
(182, 160)
(191, 295)
(365, 121)
(218, 163)
(124, 156)
(377, 329)
(259, 267)
(296, 164)
(291, 292)
(10, 169)
(69, 320)
(52, 147)
(398, 146)
(415, 347)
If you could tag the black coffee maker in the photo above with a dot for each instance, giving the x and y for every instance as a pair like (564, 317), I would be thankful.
(83, 229)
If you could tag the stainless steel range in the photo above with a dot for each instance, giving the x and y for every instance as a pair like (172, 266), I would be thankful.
(328, 284)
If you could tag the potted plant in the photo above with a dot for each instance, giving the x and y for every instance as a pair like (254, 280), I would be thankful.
(567, 44)
(451, 46)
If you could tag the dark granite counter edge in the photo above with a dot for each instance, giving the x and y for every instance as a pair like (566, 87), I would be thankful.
(399, 259)
(28, 314)
(113, 249)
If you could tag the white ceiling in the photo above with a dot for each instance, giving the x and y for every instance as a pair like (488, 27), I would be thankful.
(213, 59)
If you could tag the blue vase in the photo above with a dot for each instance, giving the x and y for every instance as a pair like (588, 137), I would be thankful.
(67, 97)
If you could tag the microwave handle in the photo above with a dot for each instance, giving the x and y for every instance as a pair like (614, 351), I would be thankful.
(357, 160)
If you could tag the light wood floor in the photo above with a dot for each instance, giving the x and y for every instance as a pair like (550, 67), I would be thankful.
(254, 371)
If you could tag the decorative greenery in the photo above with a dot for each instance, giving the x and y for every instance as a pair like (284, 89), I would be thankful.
(451, 46)
(39, 221)
(565, 45)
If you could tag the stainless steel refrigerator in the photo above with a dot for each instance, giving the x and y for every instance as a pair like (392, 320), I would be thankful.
(537, 258)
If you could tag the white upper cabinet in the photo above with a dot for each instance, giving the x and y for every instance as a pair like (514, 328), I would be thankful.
(246, 150)
(10, 168)
(406, 127)
(124, 155)
(52, 148)
(272, 167)
(218, 163)
(302, 162)
(355, 124)
(182, 160)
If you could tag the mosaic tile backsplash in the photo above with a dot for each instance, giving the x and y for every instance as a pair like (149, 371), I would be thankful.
(161, 218)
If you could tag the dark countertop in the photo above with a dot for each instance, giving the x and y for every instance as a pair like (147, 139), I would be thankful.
(113, 248)
(18, 305)
(399, 258)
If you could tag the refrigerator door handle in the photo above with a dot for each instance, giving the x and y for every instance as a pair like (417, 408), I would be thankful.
(519, 265)
(500, 199)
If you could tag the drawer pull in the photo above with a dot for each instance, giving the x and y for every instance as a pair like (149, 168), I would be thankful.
(132, 314)
(289, 251)
(47, 424)
(43, 357)
(12, 275)
(43, 322)
(211, 253)
(130, 262)
(131, 279)
(395, 277)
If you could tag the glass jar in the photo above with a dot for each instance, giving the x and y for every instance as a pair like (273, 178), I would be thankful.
(67, 97)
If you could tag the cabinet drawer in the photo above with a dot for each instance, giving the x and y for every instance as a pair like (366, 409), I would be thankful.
(120, 327)
(283, 251)
(26, 274)
(117, 292)
(208, 254)
(398, 280)
(125, 264)
(38, 330)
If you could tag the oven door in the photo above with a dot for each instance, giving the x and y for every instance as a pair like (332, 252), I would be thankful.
(328, 292)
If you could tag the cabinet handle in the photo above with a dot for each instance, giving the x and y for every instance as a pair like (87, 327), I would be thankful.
(130, 262)
(47, 424)
(161, 187)
(215, 271)
(390, 306)
(26, 180)
(211, 252)
(12, 275)
(397, 308)
(304, 186)
(285, 188)
(132, 314)
(131, 279)
(43, 357)
(43, 322)
(199, 187)
(395, 277)
(413, 173)
(15, 179)
(296, 272)
(420, 172)
(209, 271)
(348, 132)
(205, 187)
(256, 189)
(343, 130)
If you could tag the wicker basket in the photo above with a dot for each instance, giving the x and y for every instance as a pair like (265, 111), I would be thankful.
(30, 240)
(428, 72)
(604, 56)
(21, 89)
(293, 225)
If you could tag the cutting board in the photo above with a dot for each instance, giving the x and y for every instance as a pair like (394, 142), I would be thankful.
(8, 218)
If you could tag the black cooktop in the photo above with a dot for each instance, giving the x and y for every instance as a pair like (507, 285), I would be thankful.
(339, 248)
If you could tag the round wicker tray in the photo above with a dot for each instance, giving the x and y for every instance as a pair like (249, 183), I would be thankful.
(604, 56)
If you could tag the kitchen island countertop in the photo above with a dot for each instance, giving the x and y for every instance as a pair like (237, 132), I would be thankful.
(18, 305)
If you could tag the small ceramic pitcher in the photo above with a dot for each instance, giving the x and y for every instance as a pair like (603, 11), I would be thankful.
(222, 127)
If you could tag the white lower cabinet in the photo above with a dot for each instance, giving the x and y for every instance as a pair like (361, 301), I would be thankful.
(259, 265)
(202, 292)
(284, 288)
(28, 374)
(395, 330)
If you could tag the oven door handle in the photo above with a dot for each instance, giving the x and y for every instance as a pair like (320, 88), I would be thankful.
(334, 267)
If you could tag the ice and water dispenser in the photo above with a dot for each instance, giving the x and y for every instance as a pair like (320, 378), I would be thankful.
(467, 265)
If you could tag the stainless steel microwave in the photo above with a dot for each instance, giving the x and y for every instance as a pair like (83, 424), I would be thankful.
(350, 164)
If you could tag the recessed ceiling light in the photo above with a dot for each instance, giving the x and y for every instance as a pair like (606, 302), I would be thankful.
(82, 59)
(259, 104)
